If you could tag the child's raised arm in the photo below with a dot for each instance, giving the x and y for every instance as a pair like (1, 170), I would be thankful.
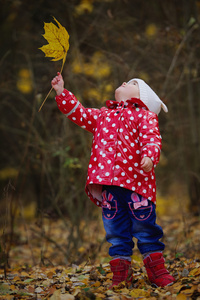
(58, 84)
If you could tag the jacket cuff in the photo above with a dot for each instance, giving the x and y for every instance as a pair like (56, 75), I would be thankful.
(153, 152)
(67, 102)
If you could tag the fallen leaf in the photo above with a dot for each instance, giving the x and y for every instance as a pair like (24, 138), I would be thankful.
(139, 293)
(181, 297)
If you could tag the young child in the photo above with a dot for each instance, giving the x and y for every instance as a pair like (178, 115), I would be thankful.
(121, 179)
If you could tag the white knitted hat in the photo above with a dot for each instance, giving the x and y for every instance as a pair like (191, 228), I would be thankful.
(149, 97)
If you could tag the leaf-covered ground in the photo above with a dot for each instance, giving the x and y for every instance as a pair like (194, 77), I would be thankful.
(38, 268)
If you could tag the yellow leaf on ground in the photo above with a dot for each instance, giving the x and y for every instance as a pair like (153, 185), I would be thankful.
(181, 297)
(96, 284)
(139, 293)
(195, 272)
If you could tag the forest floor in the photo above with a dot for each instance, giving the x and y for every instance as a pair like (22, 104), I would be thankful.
(38, 268)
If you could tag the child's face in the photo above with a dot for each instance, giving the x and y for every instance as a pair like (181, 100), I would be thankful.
(127, 91)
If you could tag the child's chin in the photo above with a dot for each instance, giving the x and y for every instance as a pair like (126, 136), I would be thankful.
(118, 93)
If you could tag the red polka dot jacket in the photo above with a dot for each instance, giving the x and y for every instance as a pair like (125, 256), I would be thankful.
(123, 133)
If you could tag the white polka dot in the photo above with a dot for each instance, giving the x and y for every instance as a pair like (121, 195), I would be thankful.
(128, 181)
(145, 126)
(69, 94)
(121, 130)
(135, 176)
(140, 115)
(136, 164)
(119, 142)
(144, 191)
(90, 166)
(125, 150)
(130, 169)
(139, 183)
(141, 171)
(84, 115)
(117, 166)
(107, 174)
(146, 179)
(132, 144)
(144, 136)
(138, 151)
(152, 139)
(95, 117)
(115, 178)
(111, 136)
(64, 102)
(119, 154)
(110, 149)
(113, 125)
(133, 188)
(72, 102)
(63, 94)
(95, 159)
(74, 118)
(126, 137)
(130, 157)
(125, 161)
(109, 161)
(93, 171)
(123, 173)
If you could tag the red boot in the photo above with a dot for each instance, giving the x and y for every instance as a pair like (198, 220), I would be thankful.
(158, 275)
(122, 270)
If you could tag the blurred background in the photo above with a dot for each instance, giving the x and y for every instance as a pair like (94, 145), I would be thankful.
(43, 156)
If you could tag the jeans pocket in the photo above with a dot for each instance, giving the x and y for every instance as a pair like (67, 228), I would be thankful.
(109, 211)
(142, 213)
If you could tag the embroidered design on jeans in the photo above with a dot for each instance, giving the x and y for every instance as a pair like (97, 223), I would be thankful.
(140, 207)
(137, 202)
(109, 206)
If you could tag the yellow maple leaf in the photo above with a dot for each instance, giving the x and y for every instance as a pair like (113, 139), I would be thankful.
(58, 39)
(58, 44)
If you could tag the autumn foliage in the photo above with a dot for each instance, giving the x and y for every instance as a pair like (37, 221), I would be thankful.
(52, 241)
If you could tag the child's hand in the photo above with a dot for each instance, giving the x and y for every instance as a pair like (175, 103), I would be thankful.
(146, 164)
(58, 84)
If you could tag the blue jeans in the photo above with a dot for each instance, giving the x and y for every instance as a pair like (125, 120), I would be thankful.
(122, 222)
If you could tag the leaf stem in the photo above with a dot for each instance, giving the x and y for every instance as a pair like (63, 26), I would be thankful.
(45, 99)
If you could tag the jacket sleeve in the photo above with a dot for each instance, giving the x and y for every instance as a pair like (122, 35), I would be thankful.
(76, 112)
(150, 138)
